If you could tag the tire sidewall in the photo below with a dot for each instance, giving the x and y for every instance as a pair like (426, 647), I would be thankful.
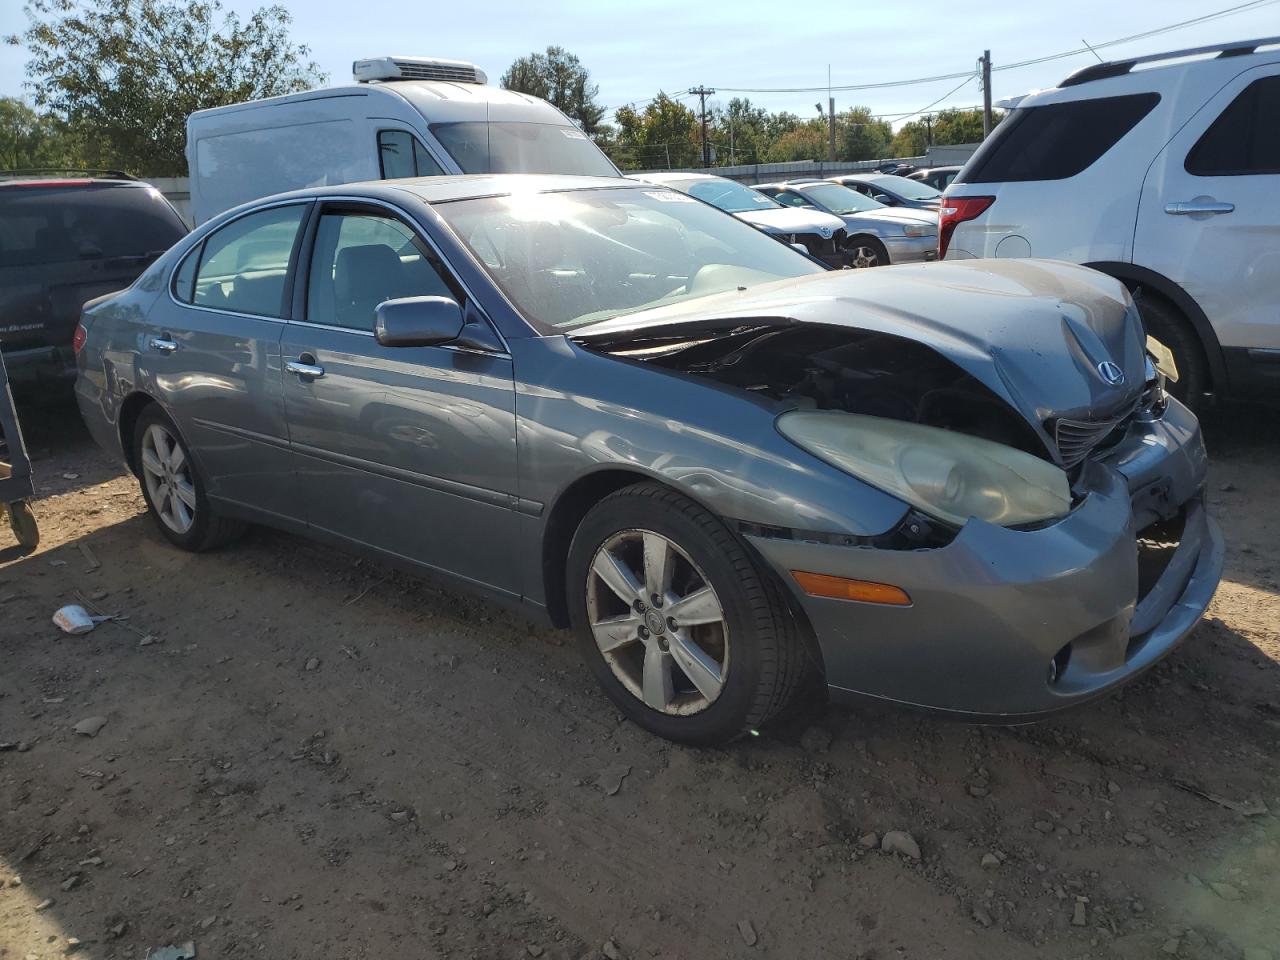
(725, 717)
(1178, 336)
(198, 531)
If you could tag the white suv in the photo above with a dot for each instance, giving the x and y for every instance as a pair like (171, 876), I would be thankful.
(1163, 171)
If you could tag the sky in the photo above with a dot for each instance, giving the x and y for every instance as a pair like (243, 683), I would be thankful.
(633, 51)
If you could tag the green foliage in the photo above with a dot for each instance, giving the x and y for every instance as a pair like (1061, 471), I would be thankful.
(961, 126)
(558, 77)
(664, 134)
(125, 74)
(859, 136)
(29, 140)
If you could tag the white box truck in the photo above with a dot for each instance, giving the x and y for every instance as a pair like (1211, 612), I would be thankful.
(402, 117)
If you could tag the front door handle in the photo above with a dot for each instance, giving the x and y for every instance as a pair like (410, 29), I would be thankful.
(1187, 208)
(307, 371)
(162, 344)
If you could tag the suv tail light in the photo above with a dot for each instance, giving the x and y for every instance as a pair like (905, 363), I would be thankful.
(78, 338)
(955, 211)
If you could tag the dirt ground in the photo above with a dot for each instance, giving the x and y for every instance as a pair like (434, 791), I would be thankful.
(311, 756)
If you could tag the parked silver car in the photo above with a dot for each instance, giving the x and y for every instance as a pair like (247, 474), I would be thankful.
(878, 235)
(958, 486)
(892, 190)
(821, 234)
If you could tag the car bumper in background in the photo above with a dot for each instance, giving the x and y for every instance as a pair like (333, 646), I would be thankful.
(35, 365)
(912, 249)
(1008, 624)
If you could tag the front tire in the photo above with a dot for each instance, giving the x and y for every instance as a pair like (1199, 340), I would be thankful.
(1167, 324)
(173, 488)
(866, 252)
(687, 633)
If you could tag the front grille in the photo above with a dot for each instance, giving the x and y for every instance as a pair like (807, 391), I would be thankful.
(1077, 438)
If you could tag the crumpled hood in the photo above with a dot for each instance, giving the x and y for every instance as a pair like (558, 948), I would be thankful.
(792, 220)
(1038, 333)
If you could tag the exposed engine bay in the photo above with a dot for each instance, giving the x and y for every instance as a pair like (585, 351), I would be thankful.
(835, 368)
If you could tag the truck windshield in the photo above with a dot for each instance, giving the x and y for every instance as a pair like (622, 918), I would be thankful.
(516, 147)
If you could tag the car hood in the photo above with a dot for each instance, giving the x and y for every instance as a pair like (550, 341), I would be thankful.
(791, 220)
(1039, 334)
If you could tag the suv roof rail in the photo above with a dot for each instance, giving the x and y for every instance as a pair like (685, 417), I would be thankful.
(1118, 68)
(28, 172)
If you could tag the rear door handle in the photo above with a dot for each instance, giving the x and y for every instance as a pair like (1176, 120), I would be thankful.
(163, 345)
(309, 371)
(1185, 208)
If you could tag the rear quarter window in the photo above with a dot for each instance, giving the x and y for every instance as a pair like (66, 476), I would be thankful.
(1057, 140)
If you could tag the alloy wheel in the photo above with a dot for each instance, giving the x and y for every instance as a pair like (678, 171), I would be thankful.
(167, 474)
(657, 622)
(864, 256)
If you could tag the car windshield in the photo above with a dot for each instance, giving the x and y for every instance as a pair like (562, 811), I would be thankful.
(511, 147)
(841, 200)
(911, 189)
(577, 257)
(728, 195)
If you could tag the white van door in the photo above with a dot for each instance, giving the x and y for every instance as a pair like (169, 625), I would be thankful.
(1209, 217)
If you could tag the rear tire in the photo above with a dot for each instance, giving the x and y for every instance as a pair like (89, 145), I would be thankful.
(23, 524)
(752, 655)
(173, 488)
(1166, 323)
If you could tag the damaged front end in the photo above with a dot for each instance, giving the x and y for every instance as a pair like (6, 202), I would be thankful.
(1086, 553)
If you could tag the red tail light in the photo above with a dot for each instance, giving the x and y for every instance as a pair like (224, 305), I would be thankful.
(955, 211)
(78, 338)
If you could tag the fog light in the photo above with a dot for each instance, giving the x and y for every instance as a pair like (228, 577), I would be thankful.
(840, 588)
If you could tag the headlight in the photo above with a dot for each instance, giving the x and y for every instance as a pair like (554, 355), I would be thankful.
(949, 475)
(918, 230)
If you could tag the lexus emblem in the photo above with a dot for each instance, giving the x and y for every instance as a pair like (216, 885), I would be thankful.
(1111, 373)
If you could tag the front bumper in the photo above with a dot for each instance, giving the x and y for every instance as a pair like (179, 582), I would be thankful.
(993, 609)
(911, 249)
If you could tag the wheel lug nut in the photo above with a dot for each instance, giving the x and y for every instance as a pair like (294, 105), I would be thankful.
(657, 600)
(640, 606)
(671, 624)
(663, 645)
(644, 633)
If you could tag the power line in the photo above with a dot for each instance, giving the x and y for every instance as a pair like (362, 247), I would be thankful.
(907, 116)
(1204, 18)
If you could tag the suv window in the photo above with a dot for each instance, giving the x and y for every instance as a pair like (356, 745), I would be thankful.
(401, 154)
(362, 259)
(84, 222)
(1056, 141)
(1245, 139)
(245, 264)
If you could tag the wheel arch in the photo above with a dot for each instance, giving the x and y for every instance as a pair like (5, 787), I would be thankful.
(130, 409)
(1134, 276)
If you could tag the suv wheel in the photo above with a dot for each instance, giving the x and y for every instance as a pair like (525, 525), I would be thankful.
(173, 488)
(685, 631)
(1166, 323)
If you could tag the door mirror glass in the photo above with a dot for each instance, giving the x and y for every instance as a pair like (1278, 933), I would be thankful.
(884, 198)
(417, 321)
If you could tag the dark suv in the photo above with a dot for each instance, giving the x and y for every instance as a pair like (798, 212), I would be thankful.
(64, 241)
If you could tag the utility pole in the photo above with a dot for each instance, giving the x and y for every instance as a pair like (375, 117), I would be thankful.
(703, 93)
(985, 62)
(831, 120)
(928, 129)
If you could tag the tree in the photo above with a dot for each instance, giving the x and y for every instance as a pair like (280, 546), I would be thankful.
(961, 126)
(30, 140)
(558, 77)
(860, 136)
(664, 134)
(806, 141)
(125, 74)
(911, 140)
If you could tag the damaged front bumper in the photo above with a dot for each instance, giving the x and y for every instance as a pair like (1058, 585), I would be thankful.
(1009, 624)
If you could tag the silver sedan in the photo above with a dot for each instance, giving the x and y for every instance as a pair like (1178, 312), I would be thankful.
(733, 472)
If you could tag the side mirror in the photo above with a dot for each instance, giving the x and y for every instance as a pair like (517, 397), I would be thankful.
(799, 248)
(884, 198)
(417, 321)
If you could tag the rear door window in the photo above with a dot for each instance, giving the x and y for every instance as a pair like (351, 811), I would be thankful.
(400, 154)
(1057, 140)
(1245, 139)
(245, 264)
(88, 222)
